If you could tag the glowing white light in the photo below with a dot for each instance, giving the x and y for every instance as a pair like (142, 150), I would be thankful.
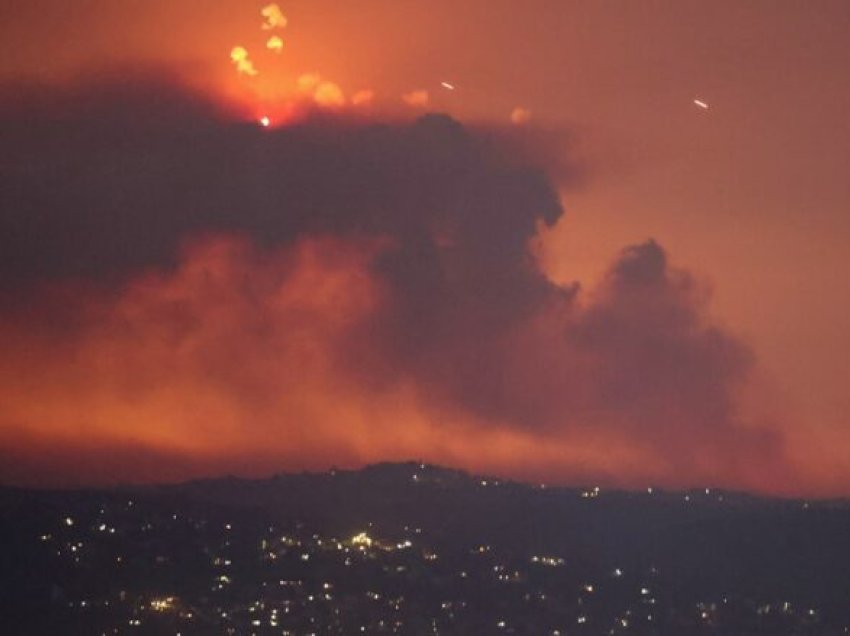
(362, 539)
(448, 86)
(265, 122)
(701, 104)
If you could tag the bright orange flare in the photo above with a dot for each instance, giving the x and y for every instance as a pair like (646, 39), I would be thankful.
(273, 17)
(275, 44)
(520, 115)
(239, 57)
(328, 94)
(306, 82)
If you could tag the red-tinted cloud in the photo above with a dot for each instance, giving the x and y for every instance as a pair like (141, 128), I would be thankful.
(345, 292)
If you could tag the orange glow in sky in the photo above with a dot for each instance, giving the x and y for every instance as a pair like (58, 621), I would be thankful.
(718, 130)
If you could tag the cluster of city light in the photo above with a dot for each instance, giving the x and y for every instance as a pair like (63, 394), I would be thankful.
(482, 561)
(551, 561)
(162, 604)
(362, 539)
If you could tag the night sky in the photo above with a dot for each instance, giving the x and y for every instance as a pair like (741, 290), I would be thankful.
(571, 242)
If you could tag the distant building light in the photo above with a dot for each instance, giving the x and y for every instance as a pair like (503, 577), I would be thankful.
(362, 539)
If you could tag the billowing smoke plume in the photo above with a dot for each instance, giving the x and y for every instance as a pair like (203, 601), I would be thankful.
(366, 271)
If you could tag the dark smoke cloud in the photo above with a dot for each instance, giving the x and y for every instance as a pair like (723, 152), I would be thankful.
(109, 178)
(659, 361)
(98, 184)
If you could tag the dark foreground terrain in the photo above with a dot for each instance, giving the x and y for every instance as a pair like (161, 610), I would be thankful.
(413, 549)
